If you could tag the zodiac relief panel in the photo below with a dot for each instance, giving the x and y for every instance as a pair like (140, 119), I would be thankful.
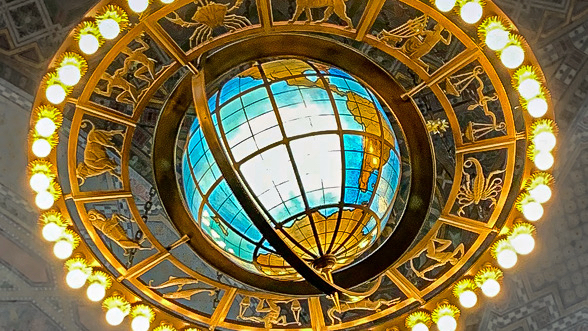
(118, 229)
(346, 13)
(475, 103)
(481, 185)
(268, 313)
(98, 156)
(168, 281)
(427, 43)
(387, 295)
(445, 248)
(203, 20)
(130, 75)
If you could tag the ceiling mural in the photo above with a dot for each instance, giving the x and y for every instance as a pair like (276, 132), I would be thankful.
(547, 291)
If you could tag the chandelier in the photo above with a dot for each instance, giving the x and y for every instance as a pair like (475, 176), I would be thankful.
(244, 165)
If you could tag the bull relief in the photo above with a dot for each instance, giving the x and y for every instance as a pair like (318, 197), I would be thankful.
(337, 7)
(96, 159)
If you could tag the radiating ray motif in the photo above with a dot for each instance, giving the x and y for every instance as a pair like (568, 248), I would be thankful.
(96, 160)
(457, 84)
(365, 304)
(437, 250)
(415, 40)
(208, 16)
(270, 312)
(481, 189)
(437, 126)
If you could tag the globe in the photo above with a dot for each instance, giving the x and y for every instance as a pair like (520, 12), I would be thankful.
(317, 154)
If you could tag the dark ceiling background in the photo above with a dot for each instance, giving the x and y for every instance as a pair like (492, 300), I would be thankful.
(548, 290)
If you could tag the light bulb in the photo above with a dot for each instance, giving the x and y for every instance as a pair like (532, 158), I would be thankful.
(420, 327)
(109, 28)
(69, 74)
(541, 193)
(40, 182)
(167, 1)
(471, 12)
(533, 211)
(445, 5)
(52, 231)
(76, 278)
(544, 160)
(447, 323)
(88, 43)
(507, 258)
(138, 6)
(496, 39)
(529, 88)
(96, 292)
(115, 316)
(140, 323)
(41, 148)
(44, 200)
(544, 141)
(512, 56)
(45, 127)
(62, 249)
(55, 94)
(537, 107)
(468, 299)
(491, 288)
(523, 243)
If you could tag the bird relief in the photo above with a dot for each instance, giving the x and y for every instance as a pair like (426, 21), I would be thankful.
(208, 16)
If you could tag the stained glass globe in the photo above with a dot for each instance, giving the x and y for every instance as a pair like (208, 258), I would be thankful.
(317, 154)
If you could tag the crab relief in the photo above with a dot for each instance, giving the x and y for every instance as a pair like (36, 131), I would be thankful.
(208, 16)
(480, 189)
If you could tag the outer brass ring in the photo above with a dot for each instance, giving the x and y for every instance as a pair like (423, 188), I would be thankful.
(324, 50)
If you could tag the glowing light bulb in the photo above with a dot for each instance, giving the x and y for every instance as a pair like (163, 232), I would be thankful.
(420, 327)
(541, 193)
(512, 56)
(62, 249)
(52, 231)
(88, 43)
(45, 127)
(55, 93)
(447, 323)
(138, 6)
(115, 316)
(40, 182)
(544, 160)
(491, 288)
(69, 74)
(140, 323)
(471, 12)
(96, 292)
(544, 141)
(523, 243)
(76, 278)
(529, 88)
(507, 258)
(167, 1)
(109, 28)
(445, 5)
(537, 107)
(496, 39)
(44, 200)
(41, 148)
(533, 211)
(468, 299)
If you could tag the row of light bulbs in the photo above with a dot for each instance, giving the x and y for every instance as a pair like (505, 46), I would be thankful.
(520, 240)
(109, 23)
